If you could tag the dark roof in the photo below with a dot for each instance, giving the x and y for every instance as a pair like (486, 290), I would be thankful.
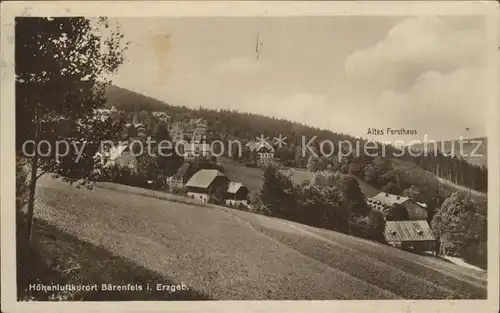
(203, 178)
(408, 231)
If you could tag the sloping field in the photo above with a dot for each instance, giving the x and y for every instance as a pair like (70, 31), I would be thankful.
(230, 254)
(300, 175)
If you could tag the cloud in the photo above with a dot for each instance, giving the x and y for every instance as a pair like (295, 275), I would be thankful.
(426, 74)
(239, 65)
(438, 105)
(413, 47)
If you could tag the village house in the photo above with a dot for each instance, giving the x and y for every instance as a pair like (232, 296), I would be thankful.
(200, 184)
(120, 155)
(196, 129)
(195, 150)
(377, 206)
(176, 132)
(416, 211)
(264, 151)
(415, 236)
(162, 116)
(178, 179)
(136, 129)
(104, 114)
(237, 194)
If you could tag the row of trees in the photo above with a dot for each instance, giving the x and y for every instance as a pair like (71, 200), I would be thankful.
(455, 169)
(332, 201)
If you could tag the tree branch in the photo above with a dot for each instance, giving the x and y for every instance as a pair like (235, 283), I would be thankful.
(42, 173)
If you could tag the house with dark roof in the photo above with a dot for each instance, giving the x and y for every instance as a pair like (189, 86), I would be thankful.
(202, 182)
(237, 194)
(414, 236)
(416, 211)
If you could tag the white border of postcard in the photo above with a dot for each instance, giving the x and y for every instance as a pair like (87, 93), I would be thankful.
(10, 10)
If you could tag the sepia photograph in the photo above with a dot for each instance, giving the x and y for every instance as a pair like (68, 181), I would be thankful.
(253, 156)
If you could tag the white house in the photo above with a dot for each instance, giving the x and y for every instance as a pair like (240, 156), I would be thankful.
(237, 194)
(265, 151)
(120, 155)
(201, 182)
(416, 211)
(162, 116)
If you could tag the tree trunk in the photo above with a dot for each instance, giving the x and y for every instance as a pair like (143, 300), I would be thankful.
(32, 190)
(34, 178)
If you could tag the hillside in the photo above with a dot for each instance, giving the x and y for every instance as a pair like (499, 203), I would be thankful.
(235, 255)
(228, 125)
(126, 100)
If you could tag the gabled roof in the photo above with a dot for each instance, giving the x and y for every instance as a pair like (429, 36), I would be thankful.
(234, 187)
(389, 199)
(408, 231)
(160, 114)
(422, 205)
(257, 146)
(376, 205)
(197, 121)
(203, 178)
(115, 152)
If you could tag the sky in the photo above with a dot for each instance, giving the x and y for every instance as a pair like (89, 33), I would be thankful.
(345, 74)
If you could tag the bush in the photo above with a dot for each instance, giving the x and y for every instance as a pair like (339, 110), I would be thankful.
(461, 230)
(178, 190)
(323, 206)
(122, 175)
(331, 200)
(277, 194)
(370, 227)
(392, 187)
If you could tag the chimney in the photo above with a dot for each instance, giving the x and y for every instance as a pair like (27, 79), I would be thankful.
(387, 194)
(398, 197)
